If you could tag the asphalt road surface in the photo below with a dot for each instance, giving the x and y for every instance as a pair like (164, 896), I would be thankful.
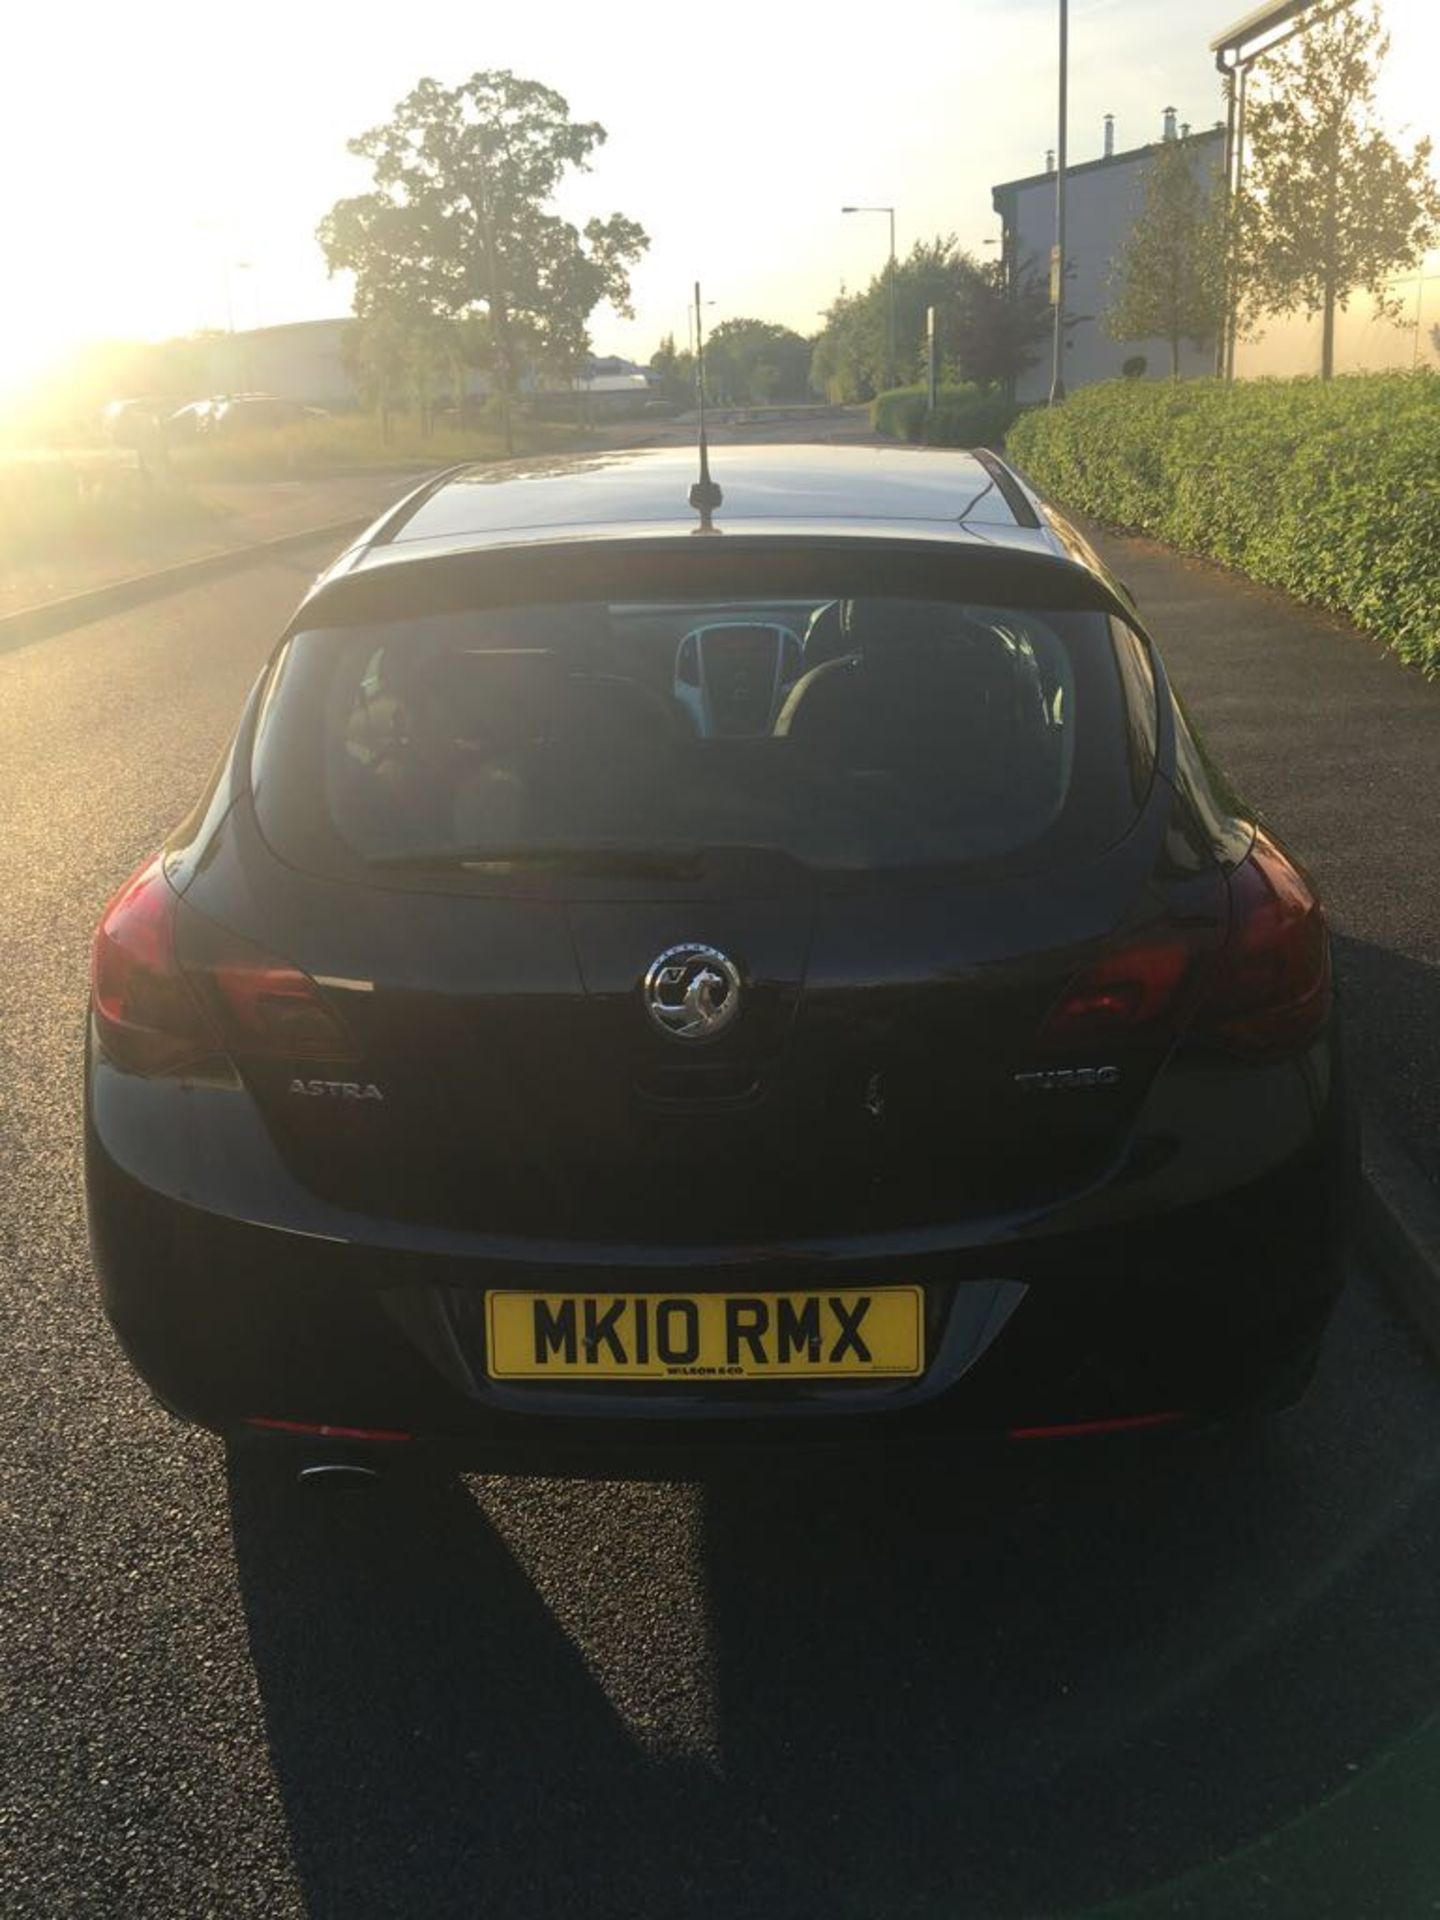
(1337, 741)
(1006, 1683)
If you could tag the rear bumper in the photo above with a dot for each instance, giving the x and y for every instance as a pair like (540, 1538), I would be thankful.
(1194, 1310)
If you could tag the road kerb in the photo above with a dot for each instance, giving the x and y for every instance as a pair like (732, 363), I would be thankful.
(26, 624)
(1400, 1226)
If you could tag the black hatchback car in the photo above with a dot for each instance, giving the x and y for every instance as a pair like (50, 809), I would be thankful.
(641, 977)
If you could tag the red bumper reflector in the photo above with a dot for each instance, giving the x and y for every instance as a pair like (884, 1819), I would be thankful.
(314, 1430)
(1126, 1423)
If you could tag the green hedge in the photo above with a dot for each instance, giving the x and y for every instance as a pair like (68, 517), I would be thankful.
(966, 415)
(1329, 490)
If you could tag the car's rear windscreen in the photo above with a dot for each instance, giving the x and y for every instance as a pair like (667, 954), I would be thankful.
(851, 735)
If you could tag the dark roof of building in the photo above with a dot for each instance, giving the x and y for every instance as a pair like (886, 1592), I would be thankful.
(1105, 160)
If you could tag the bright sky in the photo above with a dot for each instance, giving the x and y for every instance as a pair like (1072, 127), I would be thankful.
(147, 147)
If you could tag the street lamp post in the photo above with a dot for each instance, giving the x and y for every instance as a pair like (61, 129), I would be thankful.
(699, 355)
(1235, 53)
(693, 319)
(1057, 376)
(232, 267)
(890, 325)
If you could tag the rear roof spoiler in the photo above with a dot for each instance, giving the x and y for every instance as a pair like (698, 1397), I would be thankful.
(1008, 486)
(675, 566)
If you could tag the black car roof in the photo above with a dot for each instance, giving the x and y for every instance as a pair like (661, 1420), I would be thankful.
(649, 487)
(794, 495)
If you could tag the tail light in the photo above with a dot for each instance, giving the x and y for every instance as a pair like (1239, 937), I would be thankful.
(154, 1016)
(1270, 992)
(147, 1018)
(265, 1008)
(1133, 990)
(1265, 992)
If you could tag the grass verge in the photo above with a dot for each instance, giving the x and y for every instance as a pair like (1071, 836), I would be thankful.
(352, 443)
(68, 507)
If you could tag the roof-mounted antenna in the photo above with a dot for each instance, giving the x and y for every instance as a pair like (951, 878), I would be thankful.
(705, 495)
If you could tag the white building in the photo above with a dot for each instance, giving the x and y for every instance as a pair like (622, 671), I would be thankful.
(1104, 196)
(298, 361)
(1103, 199)
(304, 360)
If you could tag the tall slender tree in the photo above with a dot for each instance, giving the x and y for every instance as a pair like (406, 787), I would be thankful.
(1330, 204)
(1167, 284)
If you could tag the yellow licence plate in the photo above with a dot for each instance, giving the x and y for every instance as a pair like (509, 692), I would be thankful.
(705, 1336)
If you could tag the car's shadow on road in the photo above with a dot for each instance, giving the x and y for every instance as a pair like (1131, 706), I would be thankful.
(1392, 1008)
(1006, 1686)
(440, 1746)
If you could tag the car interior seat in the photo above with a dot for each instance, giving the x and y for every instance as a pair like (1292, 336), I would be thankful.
(921, 691)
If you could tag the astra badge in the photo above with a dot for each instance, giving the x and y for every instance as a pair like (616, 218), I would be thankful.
(1068, 1079)
(692, 992)
(337, 1089)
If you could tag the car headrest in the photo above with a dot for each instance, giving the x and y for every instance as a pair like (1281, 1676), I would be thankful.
(825, 635)
(926, 673)
(885, 630)
(481, 697)
(607, 714)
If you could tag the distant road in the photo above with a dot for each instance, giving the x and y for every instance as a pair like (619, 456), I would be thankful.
(748, 426)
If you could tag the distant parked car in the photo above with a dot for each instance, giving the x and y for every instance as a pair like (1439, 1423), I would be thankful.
(252, 412)
(190, 419)
(133, 422)
(239, 413)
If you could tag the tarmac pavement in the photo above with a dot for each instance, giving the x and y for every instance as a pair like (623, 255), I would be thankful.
(1331, 737)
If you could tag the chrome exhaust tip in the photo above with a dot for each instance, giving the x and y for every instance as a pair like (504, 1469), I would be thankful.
(340, 1476)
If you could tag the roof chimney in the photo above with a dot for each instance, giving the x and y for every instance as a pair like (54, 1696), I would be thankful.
(1169, 133)
(1049, 159)
(1184, 129)
(1109, 135)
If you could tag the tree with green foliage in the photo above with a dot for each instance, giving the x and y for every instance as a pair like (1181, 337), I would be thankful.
(1329, 203)
(675, 372)
(747, 363)
(459, 220)
(753, 362)
(372, 352)
(990, 329)
(1000, 328)
(848, 362)
(434, 368)
(1168, 284)
(417, 359)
